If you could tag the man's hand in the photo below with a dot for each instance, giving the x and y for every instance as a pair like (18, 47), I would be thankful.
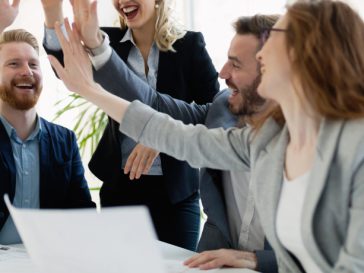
(139, 161)
(223, 257)
(8, 13)
(53, 12)
(85, 17)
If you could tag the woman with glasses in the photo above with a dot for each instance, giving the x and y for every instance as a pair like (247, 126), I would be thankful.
(306, 156)
(167, 57)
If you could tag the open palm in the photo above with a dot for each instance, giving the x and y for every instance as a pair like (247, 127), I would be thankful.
(8, 13)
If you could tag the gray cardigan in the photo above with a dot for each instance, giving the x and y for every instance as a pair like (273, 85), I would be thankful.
(333, 225)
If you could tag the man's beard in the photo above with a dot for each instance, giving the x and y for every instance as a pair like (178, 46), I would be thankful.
(20, 101)
(251, 101)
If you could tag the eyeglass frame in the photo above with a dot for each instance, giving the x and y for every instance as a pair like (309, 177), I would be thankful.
(266, 33)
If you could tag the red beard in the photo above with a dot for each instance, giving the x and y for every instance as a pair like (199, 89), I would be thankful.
(18, 101)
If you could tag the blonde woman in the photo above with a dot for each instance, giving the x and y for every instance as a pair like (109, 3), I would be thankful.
(168, 58)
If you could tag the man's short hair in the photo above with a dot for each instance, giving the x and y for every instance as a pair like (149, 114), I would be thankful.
(19, 35)
(255, 25)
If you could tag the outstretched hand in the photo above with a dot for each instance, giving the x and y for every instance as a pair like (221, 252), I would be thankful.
(85, 17)
(52, 12)
(77, 71)
(8, 13)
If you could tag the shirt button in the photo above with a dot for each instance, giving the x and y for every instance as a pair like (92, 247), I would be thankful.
(26, 172)
(24, 146)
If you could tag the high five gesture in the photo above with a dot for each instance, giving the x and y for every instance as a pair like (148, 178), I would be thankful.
(8, 13)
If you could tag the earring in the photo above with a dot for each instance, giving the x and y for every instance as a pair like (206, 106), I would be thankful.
(156, 6)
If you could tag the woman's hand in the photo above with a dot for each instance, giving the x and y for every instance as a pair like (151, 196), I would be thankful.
(77, 71)
(77, 74)
(85, 17)
(8, 13)
(53, 12)
(139, 161)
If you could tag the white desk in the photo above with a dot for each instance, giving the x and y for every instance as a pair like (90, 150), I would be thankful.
(21, 263)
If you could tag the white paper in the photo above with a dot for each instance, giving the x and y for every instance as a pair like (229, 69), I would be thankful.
(85, 241)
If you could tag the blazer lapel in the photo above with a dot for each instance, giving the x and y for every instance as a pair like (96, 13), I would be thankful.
(327, 141)
(7, 158)
(45, 150)
(270, 162)
(269, 168)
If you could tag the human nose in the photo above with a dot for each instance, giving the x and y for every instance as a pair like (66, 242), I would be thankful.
(258, 56)
(26, 70)
(224, 72)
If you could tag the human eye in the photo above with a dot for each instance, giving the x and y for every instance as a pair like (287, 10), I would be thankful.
(236, 66)
(13, 63)
(34, 65)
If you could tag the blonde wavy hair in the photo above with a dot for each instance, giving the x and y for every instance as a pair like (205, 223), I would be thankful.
(167, 28)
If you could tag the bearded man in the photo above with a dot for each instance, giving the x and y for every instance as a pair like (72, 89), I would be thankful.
(232, 235)
(40, 165)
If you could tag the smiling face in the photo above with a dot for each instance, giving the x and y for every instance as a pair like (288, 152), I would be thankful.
(275, 65)
(241, 75)
(20, 75)
(137, 13)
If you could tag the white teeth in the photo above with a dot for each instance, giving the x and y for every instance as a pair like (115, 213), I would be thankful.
(24, 85)
(129, 9)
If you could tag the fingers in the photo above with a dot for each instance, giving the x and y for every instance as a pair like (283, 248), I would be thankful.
(60, 35)
(139, 164)
(140, 161)
(130, 161)
(15, 3)
(57, 66)
(205, 260)
(138, 167)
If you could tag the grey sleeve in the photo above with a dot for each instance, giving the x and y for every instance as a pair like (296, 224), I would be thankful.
(118, 79)
(199, 146)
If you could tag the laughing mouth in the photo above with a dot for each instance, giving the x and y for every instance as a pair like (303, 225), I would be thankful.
(130, 11)
(25, 86)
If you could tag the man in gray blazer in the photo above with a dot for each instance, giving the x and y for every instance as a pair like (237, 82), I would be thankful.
(232, 235)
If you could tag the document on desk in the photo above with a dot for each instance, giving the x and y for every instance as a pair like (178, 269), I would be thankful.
(12, 253)
(84, 241)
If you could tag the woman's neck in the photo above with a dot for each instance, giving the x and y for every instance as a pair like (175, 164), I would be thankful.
(144, 36)
(303, 124)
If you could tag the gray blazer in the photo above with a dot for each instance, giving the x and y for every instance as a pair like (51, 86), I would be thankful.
(333, 228)
(119, 80)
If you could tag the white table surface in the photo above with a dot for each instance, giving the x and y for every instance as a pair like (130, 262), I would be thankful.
(21, 263)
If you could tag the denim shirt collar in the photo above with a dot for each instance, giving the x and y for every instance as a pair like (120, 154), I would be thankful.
(10, 130)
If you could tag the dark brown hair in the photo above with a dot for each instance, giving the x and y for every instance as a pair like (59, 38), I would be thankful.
(255, 25)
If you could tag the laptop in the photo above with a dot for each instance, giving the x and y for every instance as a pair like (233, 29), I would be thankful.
(86, 241)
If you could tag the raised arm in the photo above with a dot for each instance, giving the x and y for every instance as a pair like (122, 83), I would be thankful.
(53, 12)
(215, 148)
(8, 13)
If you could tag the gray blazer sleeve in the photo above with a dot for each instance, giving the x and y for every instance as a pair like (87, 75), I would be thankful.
(199, 146)
(119, 80)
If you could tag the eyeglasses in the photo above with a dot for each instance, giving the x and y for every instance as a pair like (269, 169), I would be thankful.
(266, 33)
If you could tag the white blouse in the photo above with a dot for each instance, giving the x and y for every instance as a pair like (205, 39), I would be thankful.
(289, 220)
